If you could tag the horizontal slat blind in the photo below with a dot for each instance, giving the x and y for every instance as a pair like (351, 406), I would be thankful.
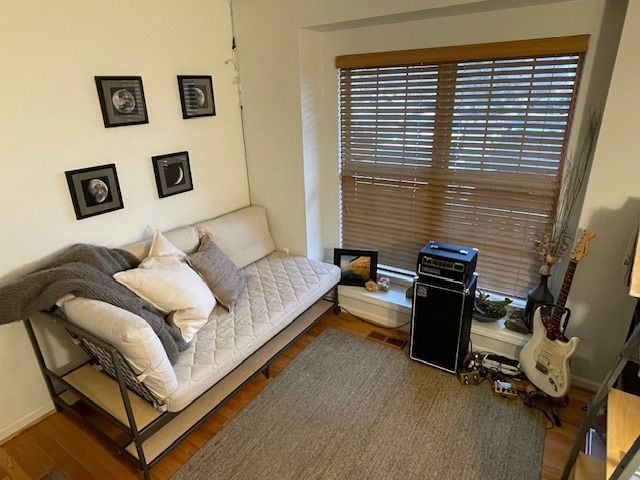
(464, 152)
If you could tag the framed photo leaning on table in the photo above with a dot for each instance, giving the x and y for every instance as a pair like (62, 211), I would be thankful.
(356, 266)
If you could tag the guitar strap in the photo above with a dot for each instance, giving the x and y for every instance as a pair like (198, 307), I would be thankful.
(566, 319)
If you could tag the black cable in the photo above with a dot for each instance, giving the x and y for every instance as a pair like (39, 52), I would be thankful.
(556, 418)
(551, 420)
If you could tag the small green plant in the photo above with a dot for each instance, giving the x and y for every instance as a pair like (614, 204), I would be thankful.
(490, 308)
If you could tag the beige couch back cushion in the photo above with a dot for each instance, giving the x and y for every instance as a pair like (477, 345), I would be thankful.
(185, 239)
(243, 235)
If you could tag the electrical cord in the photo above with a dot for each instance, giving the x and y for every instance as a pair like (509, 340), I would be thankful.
(496, 371)
(553, 420)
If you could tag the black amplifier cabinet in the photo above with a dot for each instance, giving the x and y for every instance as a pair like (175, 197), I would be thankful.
(446, 261)
(441, 322)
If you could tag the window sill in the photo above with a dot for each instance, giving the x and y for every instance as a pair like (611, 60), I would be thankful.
(389, 309)
(392, 309)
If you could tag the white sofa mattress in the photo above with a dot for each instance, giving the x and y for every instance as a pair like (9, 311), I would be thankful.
(279, 287)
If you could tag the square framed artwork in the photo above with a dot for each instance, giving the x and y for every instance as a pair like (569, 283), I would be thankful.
(122, 101)
(94, 190)
(196, 96)
(173, 173)
(356, 266)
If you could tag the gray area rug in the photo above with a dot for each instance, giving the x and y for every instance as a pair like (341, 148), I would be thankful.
(349, 408)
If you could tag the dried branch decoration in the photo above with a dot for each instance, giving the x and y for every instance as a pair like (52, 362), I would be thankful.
(574, 174)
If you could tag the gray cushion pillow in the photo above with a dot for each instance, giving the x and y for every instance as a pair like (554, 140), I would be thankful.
(222, 276)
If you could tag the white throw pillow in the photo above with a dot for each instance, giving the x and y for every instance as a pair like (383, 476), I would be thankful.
(243, 236)
(169, 284)
(131, 335)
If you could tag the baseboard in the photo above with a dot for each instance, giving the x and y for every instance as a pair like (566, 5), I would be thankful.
(26, 422)
(584, 383)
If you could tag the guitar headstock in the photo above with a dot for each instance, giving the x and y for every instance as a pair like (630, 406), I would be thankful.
(581, 248)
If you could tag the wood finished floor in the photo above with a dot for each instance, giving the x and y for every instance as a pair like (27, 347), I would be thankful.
(58, 442)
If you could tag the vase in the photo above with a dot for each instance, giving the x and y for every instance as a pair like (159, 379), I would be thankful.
(540, 296)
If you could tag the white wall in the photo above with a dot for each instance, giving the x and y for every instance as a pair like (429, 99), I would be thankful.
(51, 122)
(287, 51)
(599, 298)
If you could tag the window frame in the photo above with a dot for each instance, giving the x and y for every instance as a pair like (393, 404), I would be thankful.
(447, 56)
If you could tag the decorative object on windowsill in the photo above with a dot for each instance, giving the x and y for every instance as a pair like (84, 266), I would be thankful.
(556, 244)
(409, 293)
(371, 286)
(485, 310)
(384, 283)
(540, 296)
(515, 322)
(356, 266)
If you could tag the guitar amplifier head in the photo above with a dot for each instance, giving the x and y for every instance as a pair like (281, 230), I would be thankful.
(447, 261)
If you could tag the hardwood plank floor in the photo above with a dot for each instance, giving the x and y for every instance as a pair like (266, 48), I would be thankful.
(58, 442)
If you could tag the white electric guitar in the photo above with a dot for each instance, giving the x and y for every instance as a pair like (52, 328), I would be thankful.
(545, 358)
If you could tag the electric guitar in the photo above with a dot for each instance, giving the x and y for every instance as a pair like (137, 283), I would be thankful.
(545, 358)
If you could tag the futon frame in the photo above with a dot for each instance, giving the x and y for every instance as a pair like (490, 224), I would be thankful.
(109, 360)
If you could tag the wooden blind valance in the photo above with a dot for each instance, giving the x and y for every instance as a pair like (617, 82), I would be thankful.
(468, 152)
(484, 51)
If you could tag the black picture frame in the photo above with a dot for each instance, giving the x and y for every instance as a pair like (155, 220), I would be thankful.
(196, 96)
(173, 173)
(94, 190)
(349, 274)
(122, 101)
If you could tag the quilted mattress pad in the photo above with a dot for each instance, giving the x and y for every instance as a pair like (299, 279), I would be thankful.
(279, 287)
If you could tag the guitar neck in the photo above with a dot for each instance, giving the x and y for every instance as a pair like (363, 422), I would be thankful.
(559, 309)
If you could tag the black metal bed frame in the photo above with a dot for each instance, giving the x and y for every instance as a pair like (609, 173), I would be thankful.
(109, 360)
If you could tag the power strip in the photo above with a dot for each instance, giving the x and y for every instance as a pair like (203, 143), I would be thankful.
(504, 365)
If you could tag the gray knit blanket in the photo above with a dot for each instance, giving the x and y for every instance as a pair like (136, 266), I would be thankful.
(85, 271)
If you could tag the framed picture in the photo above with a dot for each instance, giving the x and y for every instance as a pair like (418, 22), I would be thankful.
(122, 101)
(356, 266)
(173, 173)
(196, 96)
(94, 190)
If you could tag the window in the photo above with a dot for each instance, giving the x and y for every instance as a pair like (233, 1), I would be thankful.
(469, 151)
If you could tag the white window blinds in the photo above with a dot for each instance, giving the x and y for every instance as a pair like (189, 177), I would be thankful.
(468, 152)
